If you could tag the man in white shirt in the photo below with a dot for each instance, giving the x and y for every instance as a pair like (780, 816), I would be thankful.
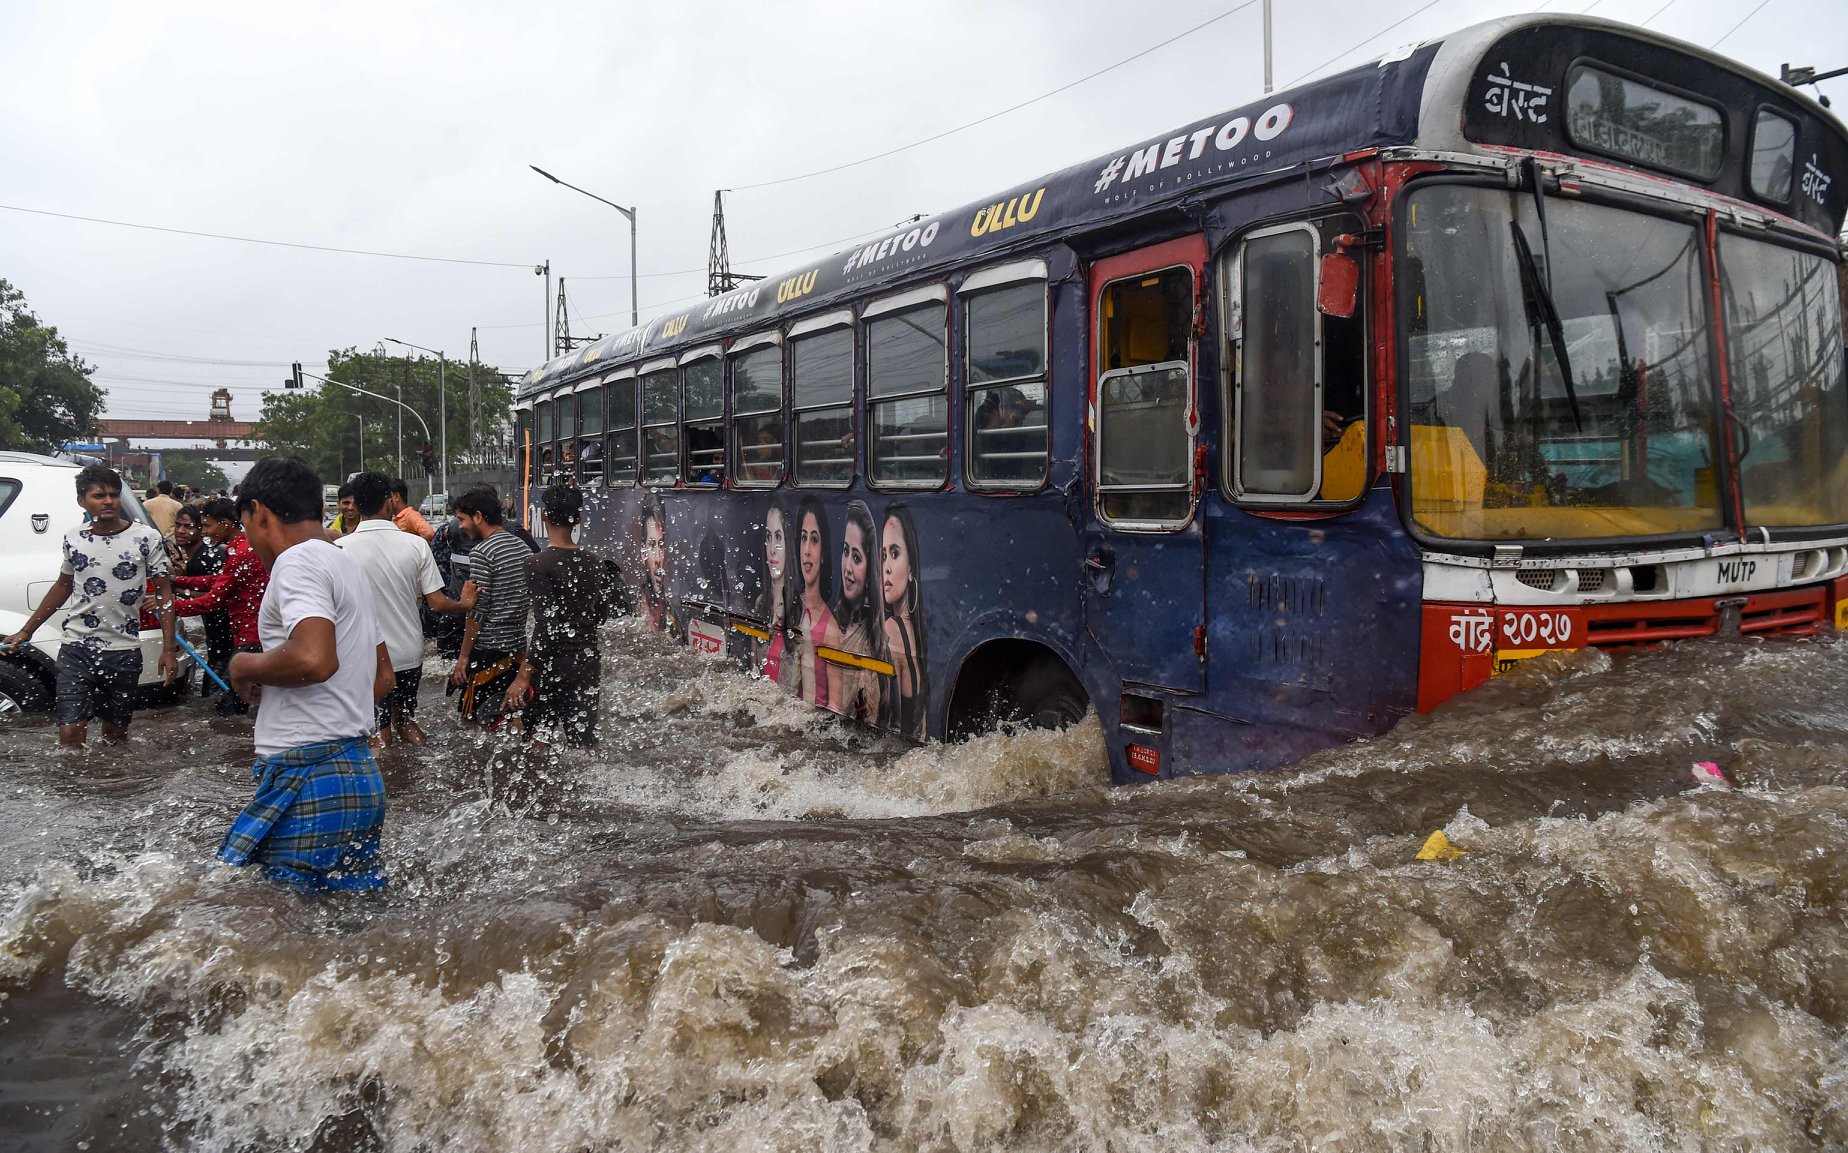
(404, 576)
(320, 802)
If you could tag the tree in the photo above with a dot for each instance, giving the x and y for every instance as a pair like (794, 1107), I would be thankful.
(194, 472)
(324, 426)
(46, 397)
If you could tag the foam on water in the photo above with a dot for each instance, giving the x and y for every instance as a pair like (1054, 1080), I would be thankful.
(716, 938)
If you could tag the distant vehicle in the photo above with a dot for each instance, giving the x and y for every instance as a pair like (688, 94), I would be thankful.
(38, 505)
(330, 501)
(434, 505)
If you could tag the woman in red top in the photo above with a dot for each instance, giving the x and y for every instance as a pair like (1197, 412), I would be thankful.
(237, 589)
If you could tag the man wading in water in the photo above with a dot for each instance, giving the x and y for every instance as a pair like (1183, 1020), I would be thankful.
(404, 578)
(559, 681)
(495, 634)
(320, 801)
(108, 563)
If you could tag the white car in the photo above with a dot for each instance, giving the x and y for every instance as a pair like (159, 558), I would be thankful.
(38, 505)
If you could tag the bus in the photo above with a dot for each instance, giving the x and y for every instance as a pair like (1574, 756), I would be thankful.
(1258, 435)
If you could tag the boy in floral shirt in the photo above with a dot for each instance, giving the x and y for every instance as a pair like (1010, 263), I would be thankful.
(108, 563)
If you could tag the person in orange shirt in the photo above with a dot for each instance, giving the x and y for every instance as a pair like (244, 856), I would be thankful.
(403, 515)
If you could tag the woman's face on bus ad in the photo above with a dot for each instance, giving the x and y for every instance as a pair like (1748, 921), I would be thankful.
(895, 569)
(773, 544)
(654, 554)
(811, 551)
(853, 562)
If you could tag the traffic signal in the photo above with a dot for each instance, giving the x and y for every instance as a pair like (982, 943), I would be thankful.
(294, 380)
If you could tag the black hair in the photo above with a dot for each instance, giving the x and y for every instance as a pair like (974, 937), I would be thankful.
(93, 475)
(824, 576)
(286, 485)
(867, 611)
(370, 491)
(563, 505)
(188, 512)
(400, 490)
(345, 491)
(165, 487)
(485, 505)
(919, 636)
(221, 509)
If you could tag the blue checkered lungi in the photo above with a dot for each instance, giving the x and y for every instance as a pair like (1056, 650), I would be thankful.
(315, 820)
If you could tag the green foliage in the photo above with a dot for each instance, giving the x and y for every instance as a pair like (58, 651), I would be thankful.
(46, 397)
(323, 424)
(194, 472)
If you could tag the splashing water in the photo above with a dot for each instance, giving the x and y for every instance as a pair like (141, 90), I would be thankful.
(738, 926)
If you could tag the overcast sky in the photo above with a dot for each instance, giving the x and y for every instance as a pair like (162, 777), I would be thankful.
(408, 128)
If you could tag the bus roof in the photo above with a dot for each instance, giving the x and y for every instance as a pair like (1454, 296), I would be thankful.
(1382, 104)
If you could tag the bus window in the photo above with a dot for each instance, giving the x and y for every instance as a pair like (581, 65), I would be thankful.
(1296, 420)
(619, 445)
(1774, 155)
(660, 432)
(703, 394)
(590, 434)
(1508, 445)
(1004, 374)
(822, 391)
(524, 450)
(1142, 398)
(757, 417)
(1784, 342)
(542, 442)
(907, 399)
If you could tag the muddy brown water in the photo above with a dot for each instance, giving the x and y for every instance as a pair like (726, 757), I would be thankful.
(741, 927)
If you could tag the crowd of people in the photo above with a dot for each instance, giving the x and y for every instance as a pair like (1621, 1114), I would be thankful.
(321, 631)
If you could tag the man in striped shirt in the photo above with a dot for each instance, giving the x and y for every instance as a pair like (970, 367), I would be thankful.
(494, 639)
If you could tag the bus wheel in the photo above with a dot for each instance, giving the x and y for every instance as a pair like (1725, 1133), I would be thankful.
(1045, 695)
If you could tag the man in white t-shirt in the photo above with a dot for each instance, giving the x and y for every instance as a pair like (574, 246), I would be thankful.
(109, 562)
(404, 577)
(320, 802)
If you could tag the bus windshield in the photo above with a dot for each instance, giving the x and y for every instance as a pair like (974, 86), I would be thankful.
(1509, 441)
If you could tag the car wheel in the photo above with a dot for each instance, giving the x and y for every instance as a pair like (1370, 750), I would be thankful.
(21, 692)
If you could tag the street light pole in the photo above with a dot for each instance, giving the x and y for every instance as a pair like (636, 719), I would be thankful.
(634, 309)
(442, 408)
(376, 396)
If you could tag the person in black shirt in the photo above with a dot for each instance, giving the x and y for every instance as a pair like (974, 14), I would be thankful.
(558, 686)
(195, 554)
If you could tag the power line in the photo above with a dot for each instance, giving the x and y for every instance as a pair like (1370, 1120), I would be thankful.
(1740, 24)
(747, 259)
(1658, 12)
(1363, 43)
(117, 352)
(272, 243)
(1003, 112)
(657, 307)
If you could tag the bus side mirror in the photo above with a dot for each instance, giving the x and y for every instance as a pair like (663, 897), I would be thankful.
(1340, 285)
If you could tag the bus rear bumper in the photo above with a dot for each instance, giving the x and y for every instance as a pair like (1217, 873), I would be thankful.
(1462, 645)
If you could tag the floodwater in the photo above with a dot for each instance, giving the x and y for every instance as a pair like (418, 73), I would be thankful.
(741, 927)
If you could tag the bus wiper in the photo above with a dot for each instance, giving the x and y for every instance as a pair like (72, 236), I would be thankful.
(1537, 296)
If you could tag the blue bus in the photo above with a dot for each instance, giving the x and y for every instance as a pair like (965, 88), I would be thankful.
(1256, 436)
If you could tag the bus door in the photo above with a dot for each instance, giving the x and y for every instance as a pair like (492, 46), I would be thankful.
(1143, 557)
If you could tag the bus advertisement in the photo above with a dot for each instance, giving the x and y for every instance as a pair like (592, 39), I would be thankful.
(1257, 436)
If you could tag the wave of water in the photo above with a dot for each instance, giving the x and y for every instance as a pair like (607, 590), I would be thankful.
(742, 928)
